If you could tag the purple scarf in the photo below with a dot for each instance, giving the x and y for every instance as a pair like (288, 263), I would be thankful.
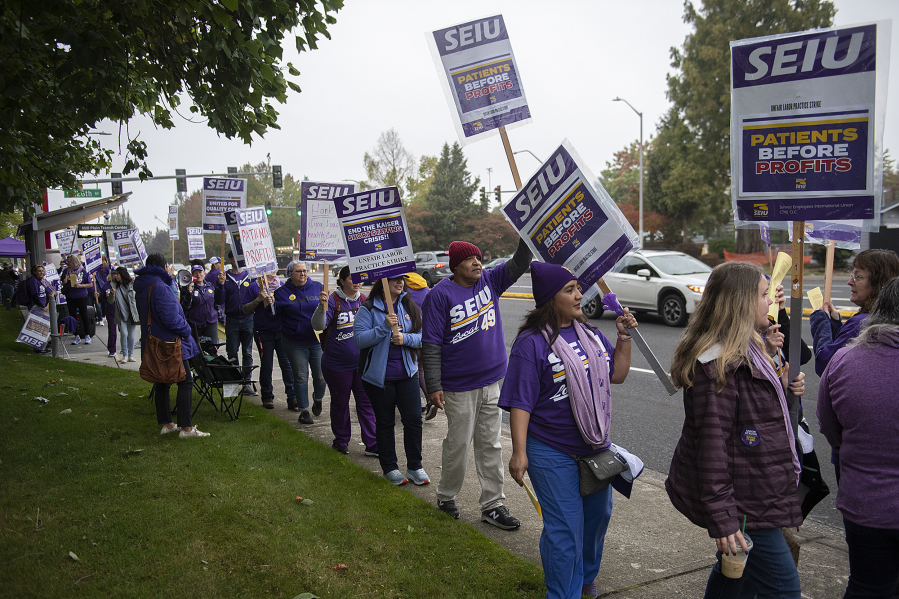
(590, 397)
(764, 365)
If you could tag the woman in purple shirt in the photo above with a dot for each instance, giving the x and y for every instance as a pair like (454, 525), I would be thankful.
(335, 316)
(557, 390)
(857, 405)
(75, 283)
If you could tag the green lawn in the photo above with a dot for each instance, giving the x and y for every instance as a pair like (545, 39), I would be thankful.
(95, 503)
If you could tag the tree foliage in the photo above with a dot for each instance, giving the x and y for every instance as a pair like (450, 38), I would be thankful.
(65, 66)
(389, 163)
(449, 200)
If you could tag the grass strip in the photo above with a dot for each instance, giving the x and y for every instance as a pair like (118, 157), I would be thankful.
(95, 503)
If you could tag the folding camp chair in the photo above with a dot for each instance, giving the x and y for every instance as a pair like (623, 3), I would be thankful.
(219, 382)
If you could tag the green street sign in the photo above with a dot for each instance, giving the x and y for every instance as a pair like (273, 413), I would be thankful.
(83, 193)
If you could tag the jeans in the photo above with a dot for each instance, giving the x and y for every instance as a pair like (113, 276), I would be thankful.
(402, 395)
(184, 400)
(239, 337)
(270, 344)
(770, 571)
(302, 357)
(340, 384)
(126, 338)
(873, 561)
(574, 527)
(8, 291)
(209, 330)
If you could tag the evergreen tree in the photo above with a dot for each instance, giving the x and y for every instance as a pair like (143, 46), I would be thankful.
(449, 200)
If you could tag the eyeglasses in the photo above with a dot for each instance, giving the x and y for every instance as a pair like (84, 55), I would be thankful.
(856, 277)
(301, 271)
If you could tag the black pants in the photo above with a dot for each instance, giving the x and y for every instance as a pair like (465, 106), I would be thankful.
(78, 308)
(184, 400)
(403, 396)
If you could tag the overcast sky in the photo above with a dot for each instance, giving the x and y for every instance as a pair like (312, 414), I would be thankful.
(377, 73)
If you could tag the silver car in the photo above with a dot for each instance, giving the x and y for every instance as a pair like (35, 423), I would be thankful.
(670, 283)
(433, 266)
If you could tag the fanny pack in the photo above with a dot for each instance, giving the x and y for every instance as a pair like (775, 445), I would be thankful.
(597, 471)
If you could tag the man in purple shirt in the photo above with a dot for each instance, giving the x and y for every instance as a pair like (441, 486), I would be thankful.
(239, 326)
(464, 357)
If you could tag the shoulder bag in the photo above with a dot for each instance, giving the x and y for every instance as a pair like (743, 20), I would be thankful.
(161, 361)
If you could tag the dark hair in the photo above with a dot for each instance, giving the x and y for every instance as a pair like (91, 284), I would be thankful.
(157, 260)
(230, 254)
(545, 316)
(884, 317)
(36, 266)
(344, 272)
(124, 274)
(377, 290)
(197, 263)
(881, 266)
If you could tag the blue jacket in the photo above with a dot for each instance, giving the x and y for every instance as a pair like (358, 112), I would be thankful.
(831, 335)
(167, 316)
(371, 330)
(294, 307)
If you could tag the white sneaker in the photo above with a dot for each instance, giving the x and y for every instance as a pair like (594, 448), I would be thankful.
(87, 339)
(166, 430)
(102, 323)
(122, 360)
(76, 340)
(194, 432)
(130, 359)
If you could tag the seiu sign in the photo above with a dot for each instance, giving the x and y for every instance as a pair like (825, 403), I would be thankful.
(251, 216)
(368, 201)
(224, 184)
(470, 35)
(808, 56)
(548, 179)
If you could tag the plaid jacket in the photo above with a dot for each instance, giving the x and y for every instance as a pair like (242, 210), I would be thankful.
(734, 456)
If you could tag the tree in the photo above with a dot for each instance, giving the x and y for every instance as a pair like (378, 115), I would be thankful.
(390, 163)
(9, 223)
(699, 121)
(449, 199)
(621, 177)
(417, 187)
(68, 65)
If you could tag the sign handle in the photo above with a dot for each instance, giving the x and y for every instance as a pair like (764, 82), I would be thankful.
(325, 283)
(510, 156)
(223, 252)
(793, 402)
(389, 301)
(828, 269)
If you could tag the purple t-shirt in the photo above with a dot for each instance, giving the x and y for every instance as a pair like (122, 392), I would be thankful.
(396, 370)
(535, 383)
(465, 321)
(341, 353)
(83, 278)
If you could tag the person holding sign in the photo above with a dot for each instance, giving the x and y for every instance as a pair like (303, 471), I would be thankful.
(269, 341)
(736, 458)
(390, 374)
(76, 282)
(560, 413)
(238, 326)
(199, 301)
(38, 289)
(464, 355)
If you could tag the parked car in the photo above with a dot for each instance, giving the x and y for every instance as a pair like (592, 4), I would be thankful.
(495, 262)
(336, 266)
(433, 266)
(670, 283)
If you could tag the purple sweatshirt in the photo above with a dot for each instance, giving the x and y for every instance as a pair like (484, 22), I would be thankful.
(199, 305)
(294, 309)
(341, 353)
(857, 404)
(37, 293)
(237, 293)
(261, 324)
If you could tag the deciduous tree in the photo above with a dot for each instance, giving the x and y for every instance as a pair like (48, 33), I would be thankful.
(389, 163)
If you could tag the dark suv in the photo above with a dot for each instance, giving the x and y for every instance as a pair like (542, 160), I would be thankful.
(432, 266)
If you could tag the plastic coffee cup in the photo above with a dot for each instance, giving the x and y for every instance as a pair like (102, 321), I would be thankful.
(732, 565)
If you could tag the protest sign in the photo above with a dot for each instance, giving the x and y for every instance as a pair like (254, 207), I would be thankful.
(567, 218)
(320, 234)
(373, 227)
(129, 246)
(92, 254)
(36, 330)
(480, 77)
(65, 239)
(220, 196)
(256, 241)
(173, 223)
(51, 276)
(807, 116)
(234, 238)
(196, 248)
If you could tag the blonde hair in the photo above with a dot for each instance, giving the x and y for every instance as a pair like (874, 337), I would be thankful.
(725, 316)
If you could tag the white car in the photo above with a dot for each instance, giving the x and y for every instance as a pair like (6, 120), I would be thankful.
(670, 283)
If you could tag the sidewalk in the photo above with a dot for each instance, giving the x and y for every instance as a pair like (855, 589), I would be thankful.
(651, 551)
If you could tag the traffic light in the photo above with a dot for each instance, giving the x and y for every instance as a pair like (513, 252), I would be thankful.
(277, 181)
(181, 180)
(117, 185)
(497, 195)
(484, 195)
(232, 170)
(299, 208)
(268, 207)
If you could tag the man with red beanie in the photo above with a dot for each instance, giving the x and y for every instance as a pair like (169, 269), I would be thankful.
(464, 357)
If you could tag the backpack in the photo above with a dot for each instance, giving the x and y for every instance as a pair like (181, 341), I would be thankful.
(326, 334)
(21, 296)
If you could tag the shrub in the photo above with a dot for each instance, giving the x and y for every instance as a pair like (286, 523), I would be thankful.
(840, 256)
(717, 246)
(711, 259)
(692, 249)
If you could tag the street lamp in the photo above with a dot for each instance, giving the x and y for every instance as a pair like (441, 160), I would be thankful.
(640, 114)
(529, 152)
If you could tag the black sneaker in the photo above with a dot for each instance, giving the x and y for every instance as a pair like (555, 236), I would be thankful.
(500, 517)
(292, 406)
(316, 407)
(305, 418)
(341, 449)
(448, 507)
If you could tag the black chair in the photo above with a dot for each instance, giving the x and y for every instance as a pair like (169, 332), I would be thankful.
(219, 382)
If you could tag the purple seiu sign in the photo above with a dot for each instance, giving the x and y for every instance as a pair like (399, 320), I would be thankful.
(92, 255)
(221, 195)
(234, 234)
(196, 248)
(320, 234)
(375, 234)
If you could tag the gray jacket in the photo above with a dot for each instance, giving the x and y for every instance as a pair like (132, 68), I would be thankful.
(125, 303)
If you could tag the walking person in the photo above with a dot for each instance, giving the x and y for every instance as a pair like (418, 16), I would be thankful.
(464, 355)
(75, 285)
(238, 326)
(161, 315)
(390, 375)
(269, 341)
(857, 404)
(557, 391)
(125, 314)
(335, 316)
(735, 464)
(106, 308)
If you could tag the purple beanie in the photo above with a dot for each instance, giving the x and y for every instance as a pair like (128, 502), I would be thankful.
(460, 251)
(547, 280)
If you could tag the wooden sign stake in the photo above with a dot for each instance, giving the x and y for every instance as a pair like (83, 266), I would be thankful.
(389, 301)
(828, 269)
(793, 402)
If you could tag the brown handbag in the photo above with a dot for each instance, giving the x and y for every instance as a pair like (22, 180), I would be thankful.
(161, 361)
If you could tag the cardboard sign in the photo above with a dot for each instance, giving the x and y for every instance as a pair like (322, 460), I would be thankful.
(173, 223)
(196, 249)
(480, 77)
(375, 235)
(130, 247)
(234, 238)
(93, 258)
(807, 115)
(320, 236)
(220, 196)
(51, 276)
(36, 330)
(65, 240)
(567, 218)
(256, 241)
